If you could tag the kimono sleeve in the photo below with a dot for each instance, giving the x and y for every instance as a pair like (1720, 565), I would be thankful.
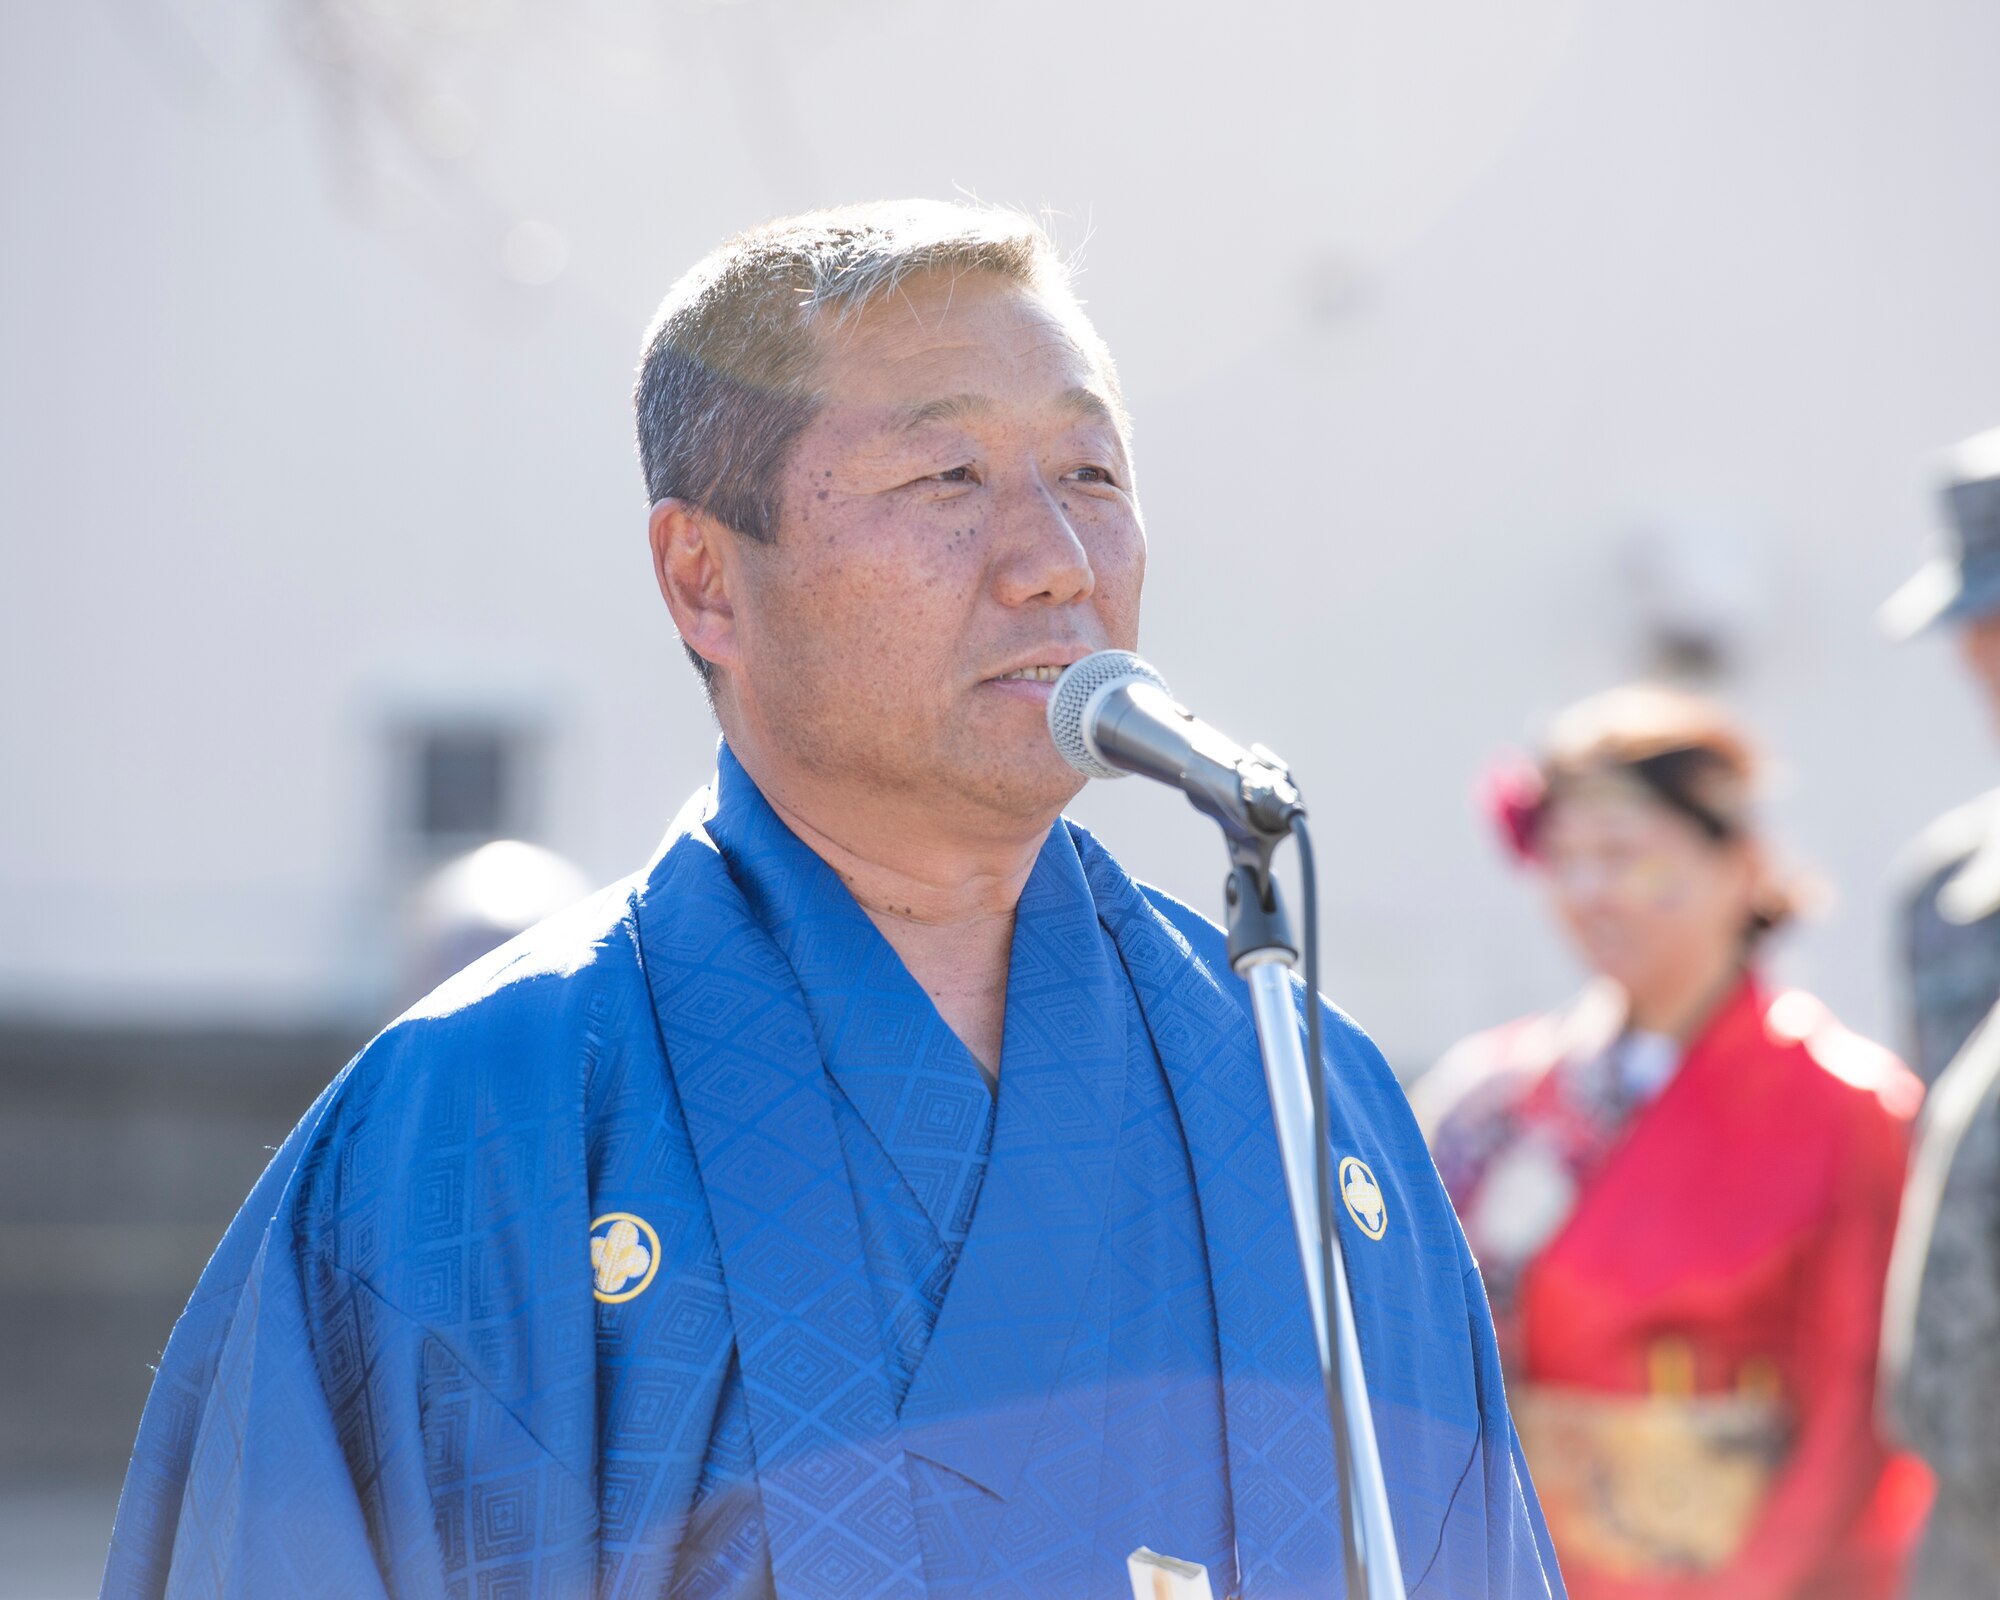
(249, 1476)
(1494, 1541)
(307, 1438)
(164, 1502)
(1837, 1456)
(1520, 1559)
(271, 1504)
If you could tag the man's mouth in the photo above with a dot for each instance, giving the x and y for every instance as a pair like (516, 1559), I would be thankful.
(1041, 674)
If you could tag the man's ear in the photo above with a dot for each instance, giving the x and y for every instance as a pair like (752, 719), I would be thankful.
(695, 561)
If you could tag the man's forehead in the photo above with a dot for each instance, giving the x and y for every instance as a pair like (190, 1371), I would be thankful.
(1079, 401)
(942, 348)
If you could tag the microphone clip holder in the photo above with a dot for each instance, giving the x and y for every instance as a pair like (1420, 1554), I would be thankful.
(1259, 927)
(1258, 924)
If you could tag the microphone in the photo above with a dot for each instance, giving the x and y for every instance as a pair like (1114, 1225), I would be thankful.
(1111, 714)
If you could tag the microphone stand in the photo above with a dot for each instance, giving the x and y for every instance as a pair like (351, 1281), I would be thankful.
(1111, 714)
(1263, 951)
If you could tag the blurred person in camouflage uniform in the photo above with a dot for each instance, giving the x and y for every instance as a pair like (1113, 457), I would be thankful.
(1941, 1338)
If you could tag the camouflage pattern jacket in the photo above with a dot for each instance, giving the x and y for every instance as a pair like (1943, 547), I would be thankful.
(1942, 1335)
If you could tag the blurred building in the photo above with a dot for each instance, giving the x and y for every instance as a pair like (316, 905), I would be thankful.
(1478, 359)
(1481, 356)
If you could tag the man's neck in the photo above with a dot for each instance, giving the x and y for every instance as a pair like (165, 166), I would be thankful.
(944, 902)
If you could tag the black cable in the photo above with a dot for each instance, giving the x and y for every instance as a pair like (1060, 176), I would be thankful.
(1336, 1408)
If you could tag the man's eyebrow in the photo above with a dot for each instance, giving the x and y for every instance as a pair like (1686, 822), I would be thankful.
(1081, 402)
(948, 408)
(1090, 405)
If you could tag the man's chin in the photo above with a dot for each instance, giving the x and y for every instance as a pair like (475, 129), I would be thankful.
(1030, 789)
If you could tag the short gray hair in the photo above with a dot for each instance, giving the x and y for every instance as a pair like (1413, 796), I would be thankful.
(726, 381)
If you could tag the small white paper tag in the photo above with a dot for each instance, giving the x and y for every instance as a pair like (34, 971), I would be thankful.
(1158, 1577)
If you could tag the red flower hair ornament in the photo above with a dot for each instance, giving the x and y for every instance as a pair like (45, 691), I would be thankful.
(1513, 795)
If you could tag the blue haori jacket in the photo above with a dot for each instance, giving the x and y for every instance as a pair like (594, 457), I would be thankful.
(677, 1248)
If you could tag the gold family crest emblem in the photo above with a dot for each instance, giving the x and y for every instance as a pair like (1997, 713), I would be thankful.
(624, 1255)
(1363, 1197)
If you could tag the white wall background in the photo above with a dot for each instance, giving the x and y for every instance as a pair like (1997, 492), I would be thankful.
(318, 317)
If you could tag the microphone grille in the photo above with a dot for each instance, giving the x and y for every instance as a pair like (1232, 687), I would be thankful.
(1075, 690)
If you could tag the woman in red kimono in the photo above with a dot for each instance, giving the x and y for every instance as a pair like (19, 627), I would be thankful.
(1681, 1191)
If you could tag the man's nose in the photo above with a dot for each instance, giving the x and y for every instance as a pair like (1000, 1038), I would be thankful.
(1038, 557)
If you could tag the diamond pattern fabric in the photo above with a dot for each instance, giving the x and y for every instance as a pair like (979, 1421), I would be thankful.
(903, 1337)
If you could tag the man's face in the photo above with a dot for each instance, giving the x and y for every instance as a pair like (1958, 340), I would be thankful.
(1979, 644)
(960, 512)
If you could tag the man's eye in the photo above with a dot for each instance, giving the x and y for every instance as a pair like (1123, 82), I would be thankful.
(952, 475)
(1093, 475)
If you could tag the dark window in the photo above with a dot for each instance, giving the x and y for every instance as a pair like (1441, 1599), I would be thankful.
(460, 782)
(464, 779)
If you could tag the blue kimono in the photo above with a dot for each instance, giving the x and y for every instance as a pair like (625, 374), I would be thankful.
(678, 1248)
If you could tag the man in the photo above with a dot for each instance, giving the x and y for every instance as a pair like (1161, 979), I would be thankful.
(1952, 916)
(876, 1195)
(1941, 1333)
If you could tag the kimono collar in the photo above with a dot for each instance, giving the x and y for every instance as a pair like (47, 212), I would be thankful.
(907, 1075)
(1736, 1017)
(1018, 1292)
(745, 1061)
(745, 1068)
(978, 1396)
